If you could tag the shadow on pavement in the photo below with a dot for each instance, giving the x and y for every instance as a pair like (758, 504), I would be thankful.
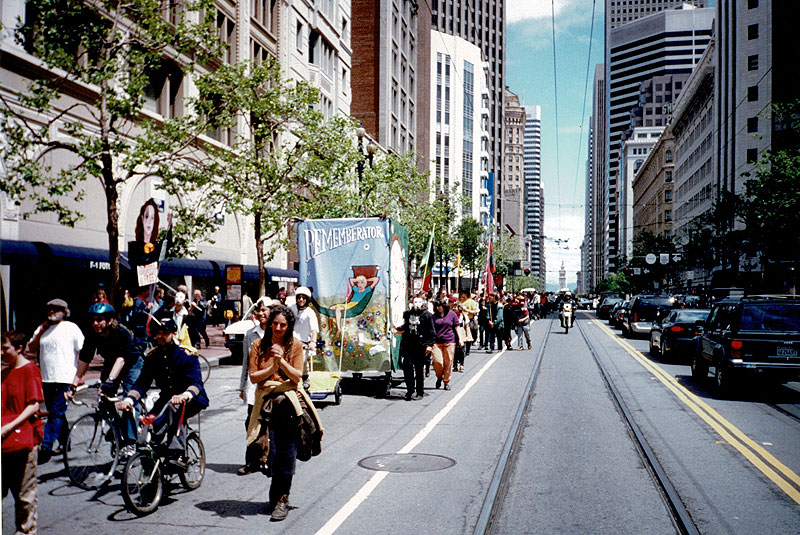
(233, 508)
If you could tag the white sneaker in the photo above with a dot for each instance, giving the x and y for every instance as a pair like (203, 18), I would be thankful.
(127, 451)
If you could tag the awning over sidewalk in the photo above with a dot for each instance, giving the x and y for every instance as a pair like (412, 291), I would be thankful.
(274, 274)
(69, 256)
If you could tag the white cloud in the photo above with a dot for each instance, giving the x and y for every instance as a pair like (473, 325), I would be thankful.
(519, 10)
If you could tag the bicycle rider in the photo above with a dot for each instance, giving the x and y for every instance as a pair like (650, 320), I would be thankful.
(122, 361)
(177, 375)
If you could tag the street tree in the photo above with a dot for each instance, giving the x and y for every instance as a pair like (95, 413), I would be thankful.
(472, 244)
(82, 118)
(284, 161)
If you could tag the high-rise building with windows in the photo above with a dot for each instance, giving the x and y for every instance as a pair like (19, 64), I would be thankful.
(644, 41)
(482, 23)
(534, 193)
(512, 218)
(457, 84)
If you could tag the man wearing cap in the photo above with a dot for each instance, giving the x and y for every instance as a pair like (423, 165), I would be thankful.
(122, 360)
(306, 327)
(56, 344)
(177, 375)
(247, 390)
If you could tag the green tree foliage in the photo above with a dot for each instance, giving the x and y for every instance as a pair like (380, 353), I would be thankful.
(616, 282)
(108, 53)
(285, 161)
(472, 244)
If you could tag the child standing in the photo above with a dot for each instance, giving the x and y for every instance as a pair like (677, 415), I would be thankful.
(21, 394)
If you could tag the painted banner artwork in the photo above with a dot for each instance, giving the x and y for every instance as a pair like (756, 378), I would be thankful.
(356, 269)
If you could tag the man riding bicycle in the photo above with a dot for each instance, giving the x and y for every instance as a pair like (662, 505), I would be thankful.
(122, 361)
(177, 375)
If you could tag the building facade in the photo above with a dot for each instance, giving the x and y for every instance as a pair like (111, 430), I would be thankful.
(597, 204)
(653, 189)
(457, 86)
(512, 218)
(645, 40)
(534, 192)
(482, 23)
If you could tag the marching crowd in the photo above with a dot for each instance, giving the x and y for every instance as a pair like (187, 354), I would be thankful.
(153, 342)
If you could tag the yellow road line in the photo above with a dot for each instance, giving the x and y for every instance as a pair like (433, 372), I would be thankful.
(734, 436)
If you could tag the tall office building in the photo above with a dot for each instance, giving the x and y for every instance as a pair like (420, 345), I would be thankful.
(534, 195)
(387, 60)
(589, 220)
(512, 218)
(642, 44)
(597, 188)
(481, 22)
(622, 12)
(457, 82)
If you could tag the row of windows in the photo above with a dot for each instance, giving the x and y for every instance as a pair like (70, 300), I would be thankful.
(703, 173)
(699, 199)
(695, 157)
(686, 141)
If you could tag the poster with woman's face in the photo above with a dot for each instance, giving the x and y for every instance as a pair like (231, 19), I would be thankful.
(144, 251)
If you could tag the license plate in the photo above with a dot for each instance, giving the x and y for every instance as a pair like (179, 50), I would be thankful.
(784, 351)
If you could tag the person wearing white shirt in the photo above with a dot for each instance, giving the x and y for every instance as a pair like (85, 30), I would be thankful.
(247, 390)
(306, 327)
(57, 343)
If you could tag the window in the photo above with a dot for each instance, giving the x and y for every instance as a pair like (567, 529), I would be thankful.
(164, 91)
(263, 12)
(226, 30)
(668, 195)
(752, 4)
(667, 176)
(752, 124)
(298, 40)
(667, 215)
(752, 31)
(752, 155)
(752, 93)
(668, 156)
(752, 62)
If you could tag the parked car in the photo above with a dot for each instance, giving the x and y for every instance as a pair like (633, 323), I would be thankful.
(673, 332)
(643, 308)
(606, 305)
(619, 313)
(584, 303)
(749, 335)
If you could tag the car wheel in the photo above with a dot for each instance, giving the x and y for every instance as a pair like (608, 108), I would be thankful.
(652, 347)
(723, 380)
(699, 368)
(665, 349)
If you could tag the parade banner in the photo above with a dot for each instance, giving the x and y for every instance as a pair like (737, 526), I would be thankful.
(357, 272)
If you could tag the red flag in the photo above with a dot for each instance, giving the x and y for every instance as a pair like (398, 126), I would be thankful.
(426, 265)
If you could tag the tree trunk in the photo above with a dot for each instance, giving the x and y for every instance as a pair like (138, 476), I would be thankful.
(262, 282)
(112, 227)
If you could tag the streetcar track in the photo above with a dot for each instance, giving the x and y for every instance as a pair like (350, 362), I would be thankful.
(498, 487)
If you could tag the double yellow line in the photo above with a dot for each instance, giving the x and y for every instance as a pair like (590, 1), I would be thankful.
(766, 463)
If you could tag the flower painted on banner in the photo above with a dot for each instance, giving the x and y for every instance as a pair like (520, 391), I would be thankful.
(362, 324)
(329, 353)
(337, 343)
(350, 347)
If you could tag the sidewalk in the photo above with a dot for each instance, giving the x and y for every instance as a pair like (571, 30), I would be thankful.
(216, 349)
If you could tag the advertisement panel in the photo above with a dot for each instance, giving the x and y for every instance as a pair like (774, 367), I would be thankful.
(357, 272)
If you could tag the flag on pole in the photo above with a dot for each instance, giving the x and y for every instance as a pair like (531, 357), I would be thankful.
(426, 265)
(489, 271)
(458, 264)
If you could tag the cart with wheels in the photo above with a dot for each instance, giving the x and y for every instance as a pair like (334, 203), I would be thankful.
(357, 270)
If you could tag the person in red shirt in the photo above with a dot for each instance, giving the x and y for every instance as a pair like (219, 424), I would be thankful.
(21, 392)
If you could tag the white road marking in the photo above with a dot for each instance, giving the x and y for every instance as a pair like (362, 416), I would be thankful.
(336, 520)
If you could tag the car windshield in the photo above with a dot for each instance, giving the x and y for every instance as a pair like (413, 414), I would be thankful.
(654, 303)
(611, 301)
(691, 315)
(783, 317)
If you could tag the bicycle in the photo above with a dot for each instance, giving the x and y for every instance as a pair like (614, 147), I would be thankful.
(147, 471)
(91, 454)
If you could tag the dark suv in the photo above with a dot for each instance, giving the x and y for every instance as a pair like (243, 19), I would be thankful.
(643, 310)
(757, 334)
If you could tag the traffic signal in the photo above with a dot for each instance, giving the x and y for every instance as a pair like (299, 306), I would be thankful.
(527, 271)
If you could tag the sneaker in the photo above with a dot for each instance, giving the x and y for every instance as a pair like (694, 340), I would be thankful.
(127, 451)
(245, 469)
(281, 509)
(45, 454)
(446, 386)
(439, 383)
(408, 396)
(418, 396)
(529, 347)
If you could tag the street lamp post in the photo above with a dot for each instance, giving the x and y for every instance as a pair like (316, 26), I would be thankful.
(368, 155)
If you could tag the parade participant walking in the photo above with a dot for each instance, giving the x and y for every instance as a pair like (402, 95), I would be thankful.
(139, 318)
(523, 321)
(57, 342)
(122, 361)
(483, 324)
(197, 319)
(276, 366)
(470, 307)
(493, 321)
(215, 307)
(177, 375)
(21, 394)
(247, 390)
(416, 346)
(306, 326)
(445, 322)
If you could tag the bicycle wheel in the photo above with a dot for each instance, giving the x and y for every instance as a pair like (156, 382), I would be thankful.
(195, 462)
(90, 455)
(205, 367)
(142, 486)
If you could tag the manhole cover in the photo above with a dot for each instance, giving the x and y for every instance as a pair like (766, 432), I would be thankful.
(406, 462)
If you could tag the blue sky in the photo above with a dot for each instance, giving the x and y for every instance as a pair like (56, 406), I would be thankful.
(529, 73)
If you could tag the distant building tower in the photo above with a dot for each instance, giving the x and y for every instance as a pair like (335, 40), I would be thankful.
(534, 195)
(562, 276)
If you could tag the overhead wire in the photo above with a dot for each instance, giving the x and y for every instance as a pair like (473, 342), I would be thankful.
(555, 95)
(583, 109)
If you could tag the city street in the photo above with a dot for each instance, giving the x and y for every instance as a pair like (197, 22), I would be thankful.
(733, 463)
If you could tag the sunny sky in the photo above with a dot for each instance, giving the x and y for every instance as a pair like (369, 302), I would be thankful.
(529, 73)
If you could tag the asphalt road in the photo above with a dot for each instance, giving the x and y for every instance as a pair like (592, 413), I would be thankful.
(576, 470)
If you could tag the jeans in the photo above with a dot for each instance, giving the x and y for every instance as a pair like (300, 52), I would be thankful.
(56, 426)
(19, 477)
(283, 443)
(523, 329)
(414, 370)
(127, 423)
